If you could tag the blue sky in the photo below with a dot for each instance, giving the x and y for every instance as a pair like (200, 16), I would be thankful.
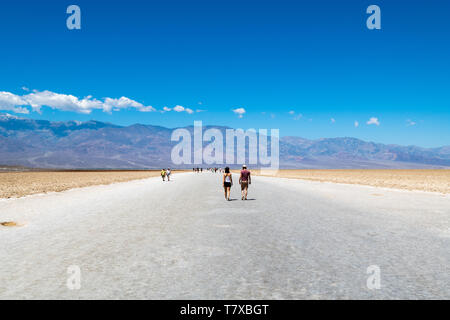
(309, 68)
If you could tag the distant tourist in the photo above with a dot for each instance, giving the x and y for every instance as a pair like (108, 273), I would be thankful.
(227, 183)
(163, 174)
(245, 179)
(168, 172)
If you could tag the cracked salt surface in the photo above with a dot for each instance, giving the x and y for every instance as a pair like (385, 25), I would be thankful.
(147, 239)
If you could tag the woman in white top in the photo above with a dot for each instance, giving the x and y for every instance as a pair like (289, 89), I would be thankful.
(227, 183)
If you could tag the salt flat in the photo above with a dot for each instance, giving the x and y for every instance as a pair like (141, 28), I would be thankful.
(293, 239)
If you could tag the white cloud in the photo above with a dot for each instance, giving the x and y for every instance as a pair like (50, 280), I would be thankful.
(409, 123)
(240, 112)
(25, 89)
(147, 109)
(12, 102)
(66, 102)
(374, 121)
(356, 124)
(333, 120)
(63, 102)
(124, 103)
(178, 108)
(291, 112)
(20, 110)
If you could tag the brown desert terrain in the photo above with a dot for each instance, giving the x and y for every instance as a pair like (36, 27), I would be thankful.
(432, 180)
(19, 184)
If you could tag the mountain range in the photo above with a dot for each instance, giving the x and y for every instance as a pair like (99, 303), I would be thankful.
(100, 145)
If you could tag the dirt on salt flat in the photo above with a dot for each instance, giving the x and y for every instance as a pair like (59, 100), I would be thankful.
(19, 184)
(432, 180)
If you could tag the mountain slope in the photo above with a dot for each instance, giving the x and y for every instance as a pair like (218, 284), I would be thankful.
(94, 144)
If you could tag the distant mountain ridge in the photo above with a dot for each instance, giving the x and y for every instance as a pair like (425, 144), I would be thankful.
(95, 144)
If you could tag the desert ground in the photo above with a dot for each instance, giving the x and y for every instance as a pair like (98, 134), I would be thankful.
(19, 184)
(293, 239)
(431, 180)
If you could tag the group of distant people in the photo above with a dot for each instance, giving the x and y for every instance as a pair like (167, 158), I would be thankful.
(213, 170)
(245, 180)
(165, 173)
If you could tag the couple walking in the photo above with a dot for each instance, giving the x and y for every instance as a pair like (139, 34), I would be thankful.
(244, 180)
(165, 173)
